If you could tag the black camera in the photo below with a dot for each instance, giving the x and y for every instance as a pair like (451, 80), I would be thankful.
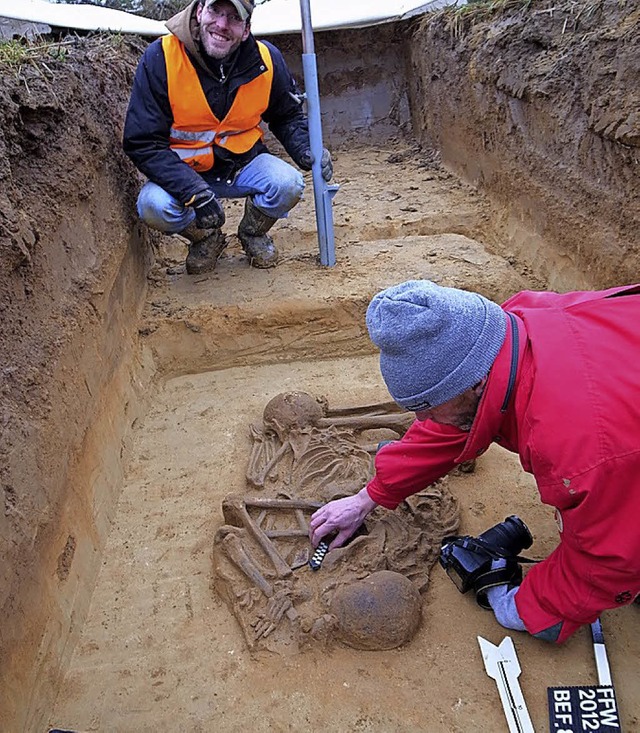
(467, 560)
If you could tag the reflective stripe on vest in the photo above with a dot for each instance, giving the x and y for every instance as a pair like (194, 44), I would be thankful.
(195, 127)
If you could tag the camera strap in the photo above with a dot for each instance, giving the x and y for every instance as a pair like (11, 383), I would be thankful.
(510, 574)
(520, 558)
(495, 554)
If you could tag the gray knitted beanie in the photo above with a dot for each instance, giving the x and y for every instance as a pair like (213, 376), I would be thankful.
(435, 342)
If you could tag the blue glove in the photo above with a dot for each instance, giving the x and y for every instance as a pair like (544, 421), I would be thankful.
(502, 601)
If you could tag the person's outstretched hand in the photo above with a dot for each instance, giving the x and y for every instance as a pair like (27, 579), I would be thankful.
(342, 515)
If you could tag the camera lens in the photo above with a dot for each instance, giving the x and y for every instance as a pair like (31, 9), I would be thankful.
(467, 560)
(510, 537)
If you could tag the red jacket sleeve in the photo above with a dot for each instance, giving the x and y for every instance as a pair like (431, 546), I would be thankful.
(426, 452)
(595, 566)
(554, 593)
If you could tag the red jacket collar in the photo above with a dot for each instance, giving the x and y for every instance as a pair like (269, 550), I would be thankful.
(492, 410)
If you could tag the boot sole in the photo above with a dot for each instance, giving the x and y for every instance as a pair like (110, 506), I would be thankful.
(258, 266)
(209, 267)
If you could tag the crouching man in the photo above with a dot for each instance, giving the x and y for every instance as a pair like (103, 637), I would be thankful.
(193, 129)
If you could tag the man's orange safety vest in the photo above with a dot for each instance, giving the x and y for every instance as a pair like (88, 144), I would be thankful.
(195, 127)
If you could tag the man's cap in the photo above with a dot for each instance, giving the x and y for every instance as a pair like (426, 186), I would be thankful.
(435, 342)
(244, 7)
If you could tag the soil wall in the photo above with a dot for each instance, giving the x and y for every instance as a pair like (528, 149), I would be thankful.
(539, 108)
(72, 273)
(362, 81)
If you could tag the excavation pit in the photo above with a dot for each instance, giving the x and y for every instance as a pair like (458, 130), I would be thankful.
(159, 643)
(129, 387)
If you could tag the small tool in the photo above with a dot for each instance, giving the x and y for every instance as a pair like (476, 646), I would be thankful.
(600, 651)
(501, 663)
(318, 555)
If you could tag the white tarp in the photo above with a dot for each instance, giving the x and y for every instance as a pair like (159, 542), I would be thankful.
(273, 16)
(82, 17)
(283, 16)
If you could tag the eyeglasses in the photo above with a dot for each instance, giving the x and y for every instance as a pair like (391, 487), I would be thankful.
(217, 14)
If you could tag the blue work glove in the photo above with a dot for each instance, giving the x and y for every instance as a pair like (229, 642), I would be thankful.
(209, 213)
(502, 601)
(326, 164)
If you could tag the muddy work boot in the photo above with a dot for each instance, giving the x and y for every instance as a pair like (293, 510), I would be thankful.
(252, 232)
(206, 245)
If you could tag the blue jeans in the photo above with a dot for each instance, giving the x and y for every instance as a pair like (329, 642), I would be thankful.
(275, 186)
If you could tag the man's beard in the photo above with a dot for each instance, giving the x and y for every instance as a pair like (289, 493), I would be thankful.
(209, 48)
(465, 421)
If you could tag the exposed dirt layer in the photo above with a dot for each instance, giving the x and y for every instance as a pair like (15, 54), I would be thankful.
(73, 265)
(397, 216)
(539, 107)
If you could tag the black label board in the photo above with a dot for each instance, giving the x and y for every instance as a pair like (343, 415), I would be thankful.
(583, 709)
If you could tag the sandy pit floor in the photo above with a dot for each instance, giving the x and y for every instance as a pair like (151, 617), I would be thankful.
(160, 650)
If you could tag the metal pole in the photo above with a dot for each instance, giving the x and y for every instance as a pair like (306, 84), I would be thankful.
(322, 191)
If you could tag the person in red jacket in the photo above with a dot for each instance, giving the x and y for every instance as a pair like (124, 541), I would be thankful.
(552, 377)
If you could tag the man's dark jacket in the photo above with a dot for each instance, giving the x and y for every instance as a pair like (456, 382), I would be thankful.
(149, 117)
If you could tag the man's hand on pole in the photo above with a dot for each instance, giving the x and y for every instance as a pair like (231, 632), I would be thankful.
(326, 164)
(342, 515)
